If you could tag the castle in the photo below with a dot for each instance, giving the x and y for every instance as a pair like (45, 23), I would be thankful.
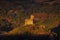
(29, 21)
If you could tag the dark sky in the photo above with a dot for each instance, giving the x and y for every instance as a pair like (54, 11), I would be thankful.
(32, 0)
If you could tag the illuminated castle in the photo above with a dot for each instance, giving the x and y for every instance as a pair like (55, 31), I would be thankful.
(29, 21)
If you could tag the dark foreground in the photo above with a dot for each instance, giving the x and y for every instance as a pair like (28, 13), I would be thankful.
(29, 37)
